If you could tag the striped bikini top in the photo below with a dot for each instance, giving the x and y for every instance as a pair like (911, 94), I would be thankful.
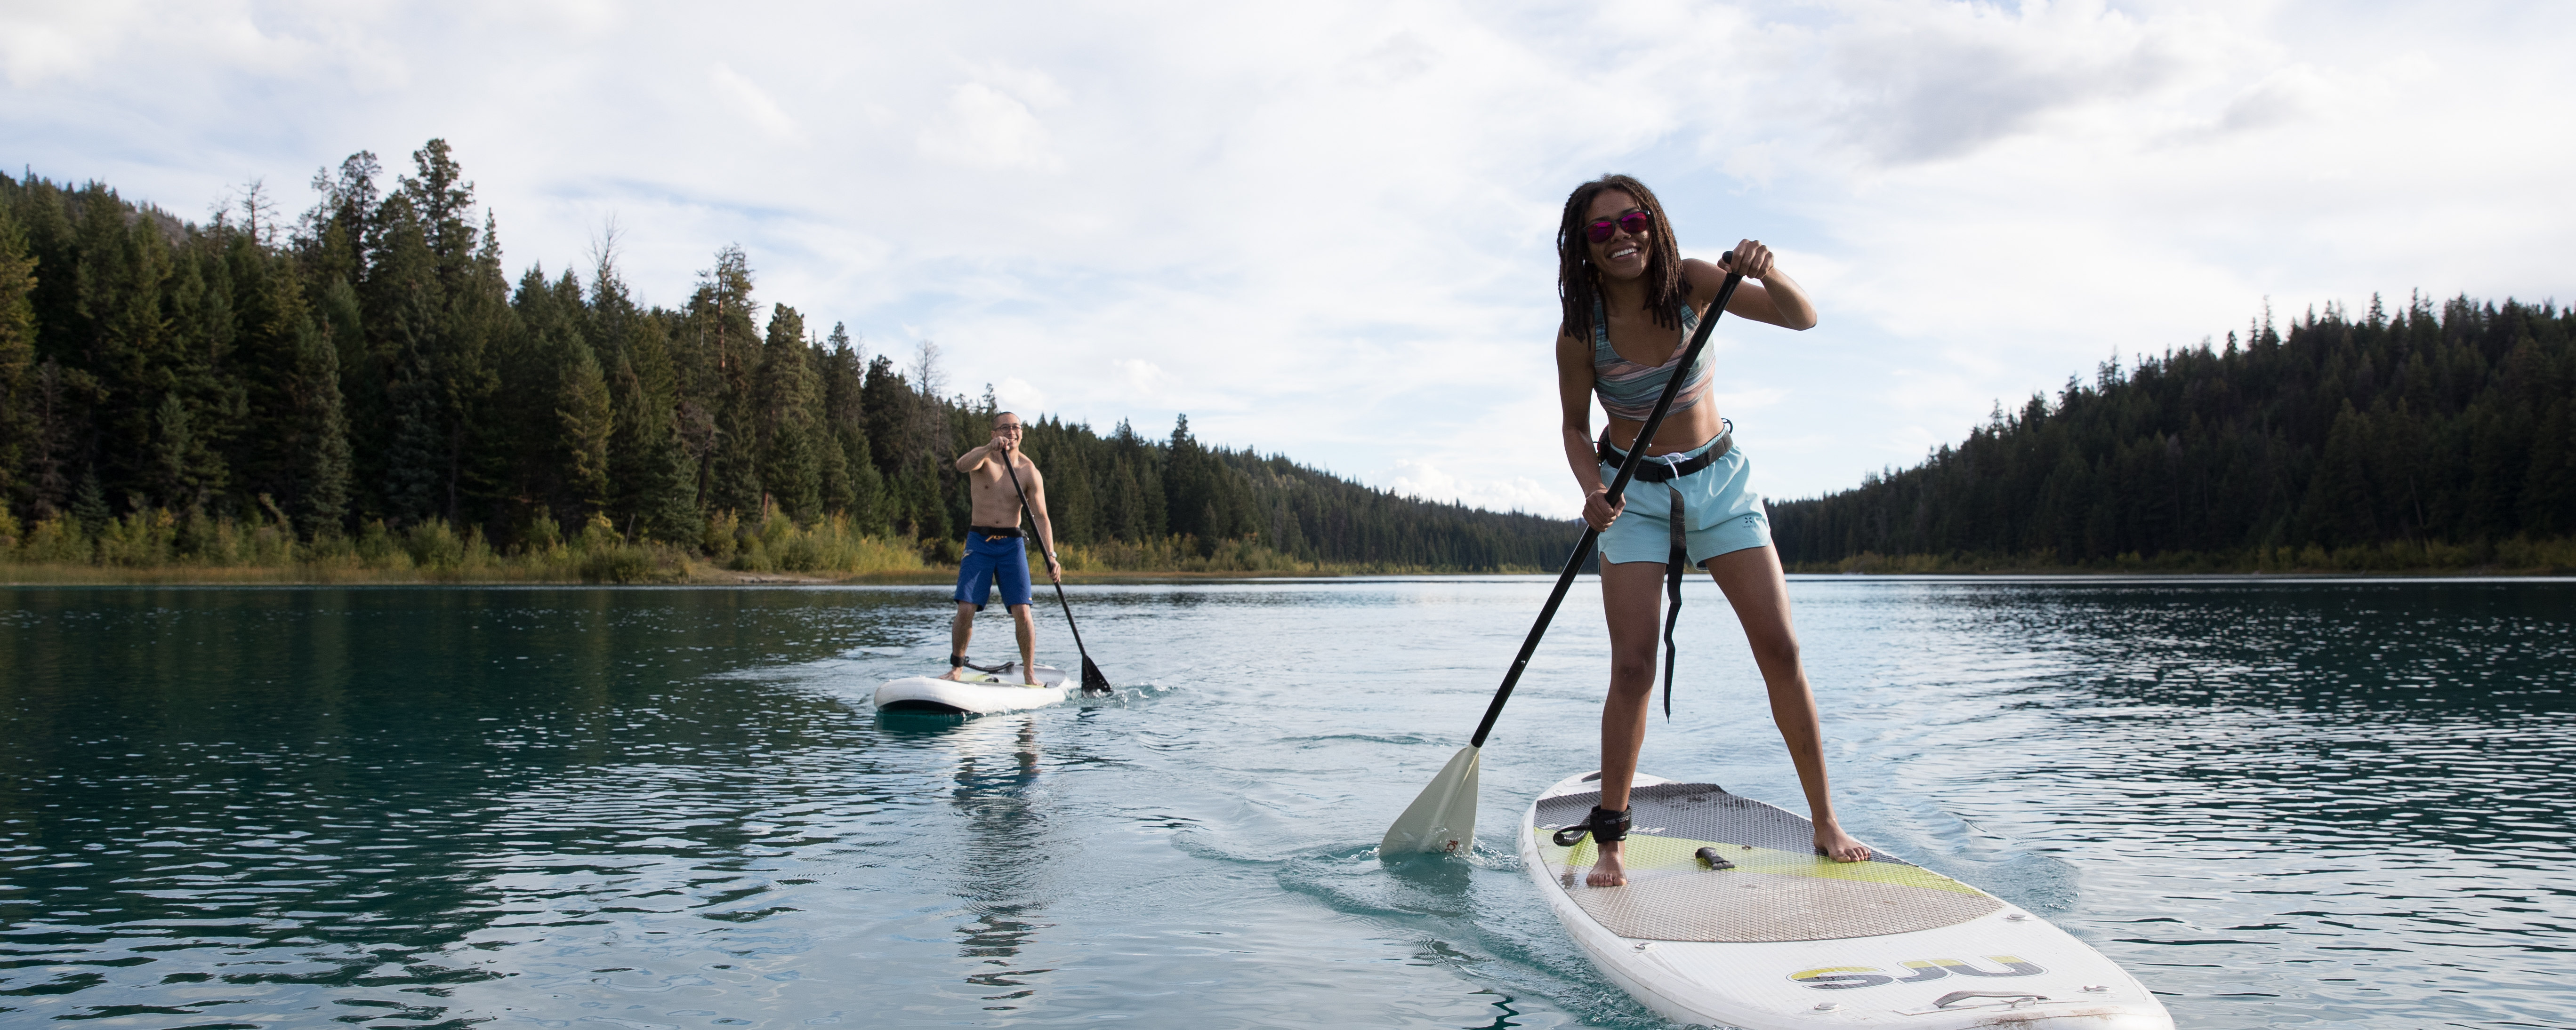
(1627, 389)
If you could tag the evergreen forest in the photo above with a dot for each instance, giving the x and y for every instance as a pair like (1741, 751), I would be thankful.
(366, 384)
(2415, 439)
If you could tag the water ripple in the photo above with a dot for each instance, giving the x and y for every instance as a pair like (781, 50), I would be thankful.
(2278, 802)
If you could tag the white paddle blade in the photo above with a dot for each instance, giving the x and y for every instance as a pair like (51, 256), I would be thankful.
(1443, 818)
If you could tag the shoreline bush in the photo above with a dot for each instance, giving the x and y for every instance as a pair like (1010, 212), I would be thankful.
(168, 545)
(2512, 556)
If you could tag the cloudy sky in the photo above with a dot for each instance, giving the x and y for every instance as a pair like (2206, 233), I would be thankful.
(1326, 229)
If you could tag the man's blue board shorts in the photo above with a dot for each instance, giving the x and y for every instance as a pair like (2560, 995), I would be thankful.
(990, 560)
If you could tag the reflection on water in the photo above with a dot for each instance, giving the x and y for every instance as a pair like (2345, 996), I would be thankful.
(1005, 835)
(2278, 802)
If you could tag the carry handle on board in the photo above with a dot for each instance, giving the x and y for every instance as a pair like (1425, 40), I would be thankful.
(1094, 683)
(1443, 816)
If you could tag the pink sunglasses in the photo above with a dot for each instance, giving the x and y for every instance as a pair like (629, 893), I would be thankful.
(1634, 222)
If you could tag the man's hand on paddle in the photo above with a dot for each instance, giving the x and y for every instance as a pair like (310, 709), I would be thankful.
(1599, 510)
(1055, 569)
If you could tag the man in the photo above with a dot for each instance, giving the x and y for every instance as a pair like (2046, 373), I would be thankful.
(995, 551)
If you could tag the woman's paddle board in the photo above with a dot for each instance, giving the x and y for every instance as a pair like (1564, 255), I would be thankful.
(980, 693)
(1778, 938)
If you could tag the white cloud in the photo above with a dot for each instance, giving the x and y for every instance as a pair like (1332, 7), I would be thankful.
(988, 128)
(2288, 95)
(1326, 230)
(1144, 377)
(1422, 479)
(751, 102)
(1016, 394)
(42, 41)
(1920, 82)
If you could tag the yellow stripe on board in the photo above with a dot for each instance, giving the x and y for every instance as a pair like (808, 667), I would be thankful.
(1649, 852)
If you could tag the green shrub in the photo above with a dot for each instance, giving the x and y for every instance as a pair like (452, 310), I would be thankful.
(718, 540)
(377, 548)
(434, 546)
(624, 563)
(541, 534)
(58, 540)
(139, 538)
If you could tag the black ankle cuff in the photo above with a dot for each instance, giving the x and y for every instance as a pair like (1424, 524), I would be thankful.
(1608, 826)
(956, 660)
(1605, 826)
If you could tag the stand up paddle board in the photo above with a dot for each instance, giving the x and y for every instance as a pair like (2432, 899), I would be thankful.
(1772, 937)
(980, 693)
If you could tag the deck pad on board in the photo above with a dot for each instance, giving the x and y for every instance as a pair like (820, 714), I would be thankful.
(1779, 890)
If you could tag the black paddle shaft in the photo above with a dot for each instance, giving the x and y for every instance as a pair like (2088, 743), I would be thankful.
(1093, 680)
(1618, 493)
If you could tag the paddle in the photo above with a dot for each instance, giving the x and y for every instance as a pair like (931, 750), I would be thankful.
(1443, 816)
(1094, 683)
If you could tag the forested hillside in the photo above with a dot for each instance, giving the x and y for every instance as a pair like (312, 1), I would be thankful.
(2413, 439)
(371, 371)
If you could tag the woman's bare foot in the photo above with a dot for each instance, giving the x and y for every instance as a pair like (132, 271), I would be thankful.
(1608, 871)
(1833, 843)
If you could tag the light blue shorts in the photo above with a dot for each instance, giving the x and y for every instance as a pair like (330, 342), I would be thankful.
(1720, 513)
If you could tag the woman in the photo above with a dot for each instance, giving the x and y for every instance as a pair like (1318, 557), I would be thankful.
(1631, 303)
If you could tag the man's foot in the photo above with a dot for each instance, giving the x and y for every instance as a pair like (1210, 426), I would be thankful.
(956, 669)
(1609, 871)
(1833, 843)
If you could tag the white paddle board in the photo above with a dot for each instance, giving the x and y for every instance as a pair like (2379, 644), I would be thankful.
(1788, 940)
(979, 693)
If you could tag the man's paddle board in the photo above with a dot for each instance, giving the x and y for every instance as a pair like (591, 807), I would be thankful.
(1782, 939)
(979, 694)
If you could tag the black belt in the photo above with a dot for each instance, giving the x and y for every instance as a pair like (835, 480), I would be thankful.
(993, 531)
(1658, 471)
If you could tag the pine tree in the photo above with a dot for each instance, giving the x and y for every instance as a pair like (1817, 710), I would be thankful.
(784, 403)
(587, 421)
(19, 427)
(405, 313)
(726, 354)
(322, 441)
(851, 482)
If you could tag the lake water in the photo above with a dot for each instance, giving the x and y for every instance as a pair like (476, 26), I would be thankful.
(2279, 803)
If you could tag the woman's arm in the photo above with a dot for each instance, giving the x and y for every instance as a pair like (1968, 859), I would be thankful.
(1770, 297)
(1574, 398)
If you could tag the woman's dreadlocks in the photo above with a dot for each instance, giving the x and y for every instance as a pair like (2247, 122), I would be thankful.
(1578, 284)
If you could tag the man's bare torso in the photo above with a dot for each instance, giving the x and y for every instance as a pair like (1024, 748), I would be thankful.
(989, 493)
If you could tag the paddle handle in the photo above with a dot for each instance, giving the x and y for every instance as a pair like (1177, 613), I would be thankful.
(1618, 490)
(1032, 515)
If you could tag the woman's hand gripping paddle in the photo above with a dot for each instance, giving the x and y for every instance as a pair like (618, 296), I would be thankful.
(1094, 683)
(1443, 817)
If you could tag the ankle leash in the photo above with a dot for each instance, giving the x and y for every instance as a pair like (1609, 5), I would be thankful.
(1605, 826)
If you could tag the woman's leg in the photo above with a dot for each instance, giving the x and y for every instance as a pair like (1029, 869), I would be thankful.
(1754, 584)
(1632, 596)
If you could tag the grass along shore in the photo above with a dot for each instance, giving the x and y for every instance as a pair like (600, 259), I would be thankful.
(163, 547)
(2517, 556)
